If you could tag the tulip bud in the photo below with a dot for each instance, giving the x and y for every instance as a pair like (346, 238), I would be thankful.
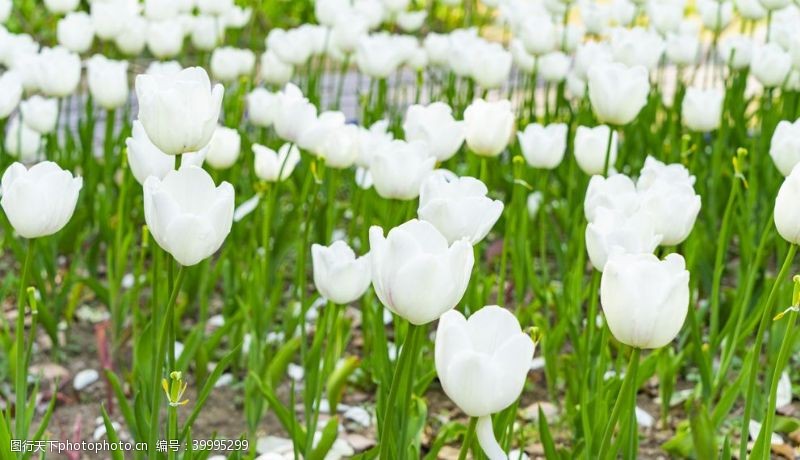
(338, 275)
(399, 169)
(489, 126)
(10, 93)
(617, 192)
(271, 166)
(787, 213)
(179, 112)
(483, 361)
(414, 272)
(617, 92)
(224, 148)
(612, 232)
(108, 81)
(40, 114)
(784, 147)
(543, 146)
(188, 216)
(75, 32)
(645, 300)
(702, 109)
(533, 203)
(590, 148)
(39, 201)
(434, 124)
(458, 208)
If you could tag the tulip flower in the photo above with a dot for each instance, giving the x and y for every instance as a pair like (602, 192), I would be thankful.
(40, 114)
(736, 51)
(224, 148)
(787, 214)
(206, 32)
(372, 139)
(273, 70)
(538, 34)
(261, 107)
(492, 65)
(21, 141)
(645, 300)
(179, 112)
(144, 158)
(415, 274)
(489, 126)
(591, 145)
(554, 66)
(639, 47)
(39, 201)
(59, 72)
(617, 192)
(784, 148)
(10, 93)
(612, 232)
(188, 216)
(109, 18)
(482, 363)
(702, 109)
(61, 6)
(164, 38)
(458, 208)
(132, 39)
(271, 166)
(434, 124)
(399, 169)
(338, 275)
(682, 49)
(228, 63)
(294, 114)
(770, 65)
(543, 146)
(533, 203)
(667, 192)
(618, 92)
(108, 81)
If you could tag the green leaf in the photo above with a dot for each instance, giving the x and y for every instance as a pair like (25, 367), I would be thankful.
(546, 437)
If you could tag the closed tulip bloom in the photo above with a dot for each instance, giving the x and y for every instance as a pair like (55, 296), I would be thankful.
(144, 158)
(612, 233)
(214, 7)
(715, 15)
(458, 208)
(224, 148)
(489, 126)
(163, 68)
(271, 166)
(617, 193)
(434, 124)
(294, 115)
(316, 133)
(492, 65)
(326, 11)
(377, 55)
(21, 141)
(770, 65)
(109, 18)
(156, 10)
(132, 39)
(338, 275)
(61, 6)
(75, 32)
(590, 148)
(292, 46)
(645, 300)
(750, 9)
(543, 146)
(702, 109)
(415, 274)
(667, 193)
(10, 93)
(340, 147)
(108, 81)
(165, 38)
(482, 362)
(206, 32)
(179, 112)
(399, 169)
(785, 146)
(554, 66)
(274, 71)
(787, 213)
(638, 46)
(411, 21)
(590, 54)
(228, 63)
(682, 49)
(59, 71)
(40, 114)
(618, 92)
(187, 214)
(372, 139)
(347, 31)
(39, 201)
(736, 51)
(262, 106)
(538, 34)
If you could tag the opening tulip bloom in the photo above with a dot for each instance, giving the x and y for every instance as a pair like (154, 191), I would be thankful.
(399, 169)
(590, 149)
(434, 124)
(489, 126)
(338, 275)
(271, 166)
(618, 92)
(645, 300)
(415, 274)
(613, 232)
(458, 208)
(188, 216)
(667, 193)
(543, 146)
(39, 201)
(617, 192)
(179, 111)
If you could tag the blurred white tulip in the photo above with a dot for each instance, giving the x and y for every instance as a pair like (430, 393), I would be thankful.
(590, 148)
(75, 32)
(784, 148)
(59, 71)
(271, 166)
(339, 276)
(224, 148)
(434, 124)
(613, 232)
(40, 114)
(702, 108)
(489, 126)
(21, 141)
(108, 81)
(617, 92)
(399, 168)
(543, 146)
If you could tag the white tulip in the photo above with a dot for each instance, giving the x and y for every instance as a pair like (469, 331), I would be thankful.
(399, 169)
(617, 192)
(459, 209)
(338, 275)
(702, 109)
(736, 51)
(667, 193)
(489, 126)
(543, 146)
(637, 47)
(165, 38)
(40, 114)
(59, 71)
(144, 158)
(108, 81)
(262, 106)
(273, 70)
(224, 148)
(187, 214)
(645, 300)
(10, 93)
(538, 34)
(294, 114)
(180, 111)
(371, 140)
(206, 32)
(75, 32)
(787, 213)
(61, 6)
(591, 145)
(784, 148)
(133, 36)
(271, 166)
(617, 92)
(39, 201)
(434, 124)
(415, 274)
(611, 233)
(228, 63)
(770, 65)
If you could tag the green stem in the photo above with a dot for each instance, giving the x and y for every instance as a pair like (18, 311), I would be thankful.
(22, 367)
(468, 437)
(630, 377)
(783, 356)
